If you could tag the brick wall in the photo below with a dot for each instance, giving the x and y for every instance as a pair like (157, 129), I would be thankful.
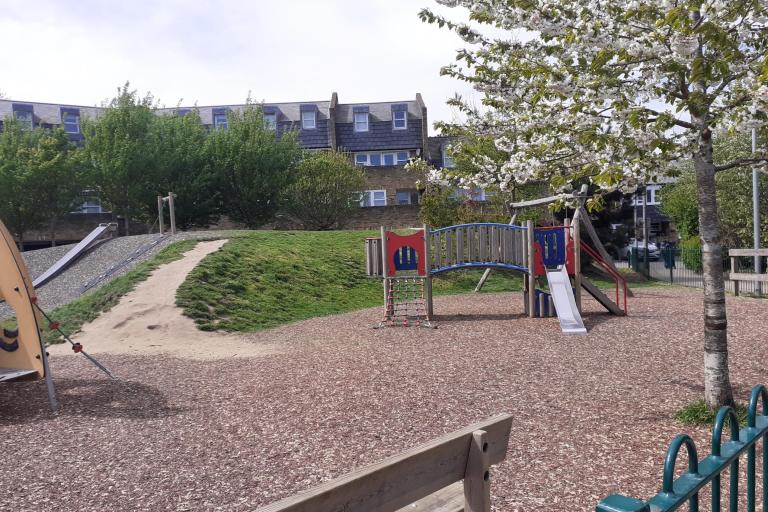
(390, 179)
(389, 216)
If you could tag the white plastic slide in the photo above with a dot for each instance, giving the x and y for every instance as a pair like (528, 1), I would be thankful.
(565, 303)
(85, 244)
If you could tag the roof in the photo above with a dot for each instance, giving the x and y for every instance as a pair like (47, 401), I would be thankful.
(379, 111)
(48, 113)
(289, 111)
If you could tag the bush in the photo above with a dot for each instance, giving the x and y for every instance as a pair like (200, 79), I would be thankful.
(690, 253)
(439, 208)
(326, 191)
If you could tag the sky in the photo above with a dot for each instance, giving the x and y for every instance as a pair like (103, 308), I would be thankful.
(218, 52)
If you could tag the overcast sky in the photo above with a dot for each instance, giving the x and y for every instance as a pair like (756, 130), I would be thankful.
(216, 52)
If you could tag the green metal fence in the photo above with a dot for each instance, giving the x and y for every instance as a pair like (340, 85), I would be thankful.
(683, 266)
(685, 489)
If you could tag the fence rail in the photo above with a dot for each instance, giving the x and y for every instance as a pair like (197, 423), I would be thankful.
(683, 266)
(725, 456)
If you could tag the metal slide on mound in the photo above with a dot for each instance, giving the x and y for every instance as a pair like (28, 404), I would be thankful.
(85, 244)
(565, 303)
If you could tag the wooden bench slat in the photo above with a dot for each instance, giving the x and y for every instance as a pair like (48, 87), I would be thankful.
(450, 499)
(404, 478)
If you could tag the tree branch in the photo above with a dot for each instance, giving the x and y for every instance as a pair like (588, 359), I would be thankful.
(742, 162)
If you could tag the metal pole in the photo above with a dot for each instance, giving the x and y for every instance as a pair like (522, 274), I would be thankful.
(645, 233)
(756, 212)
(160, 213)
(172, 212)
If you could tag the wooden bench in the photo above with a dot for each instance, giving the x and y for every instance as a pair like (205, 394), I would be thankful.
(425, 478)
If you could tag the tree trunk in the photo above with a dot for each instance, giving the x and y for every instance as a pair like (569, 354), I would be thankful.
(52, 229)
(717, 384)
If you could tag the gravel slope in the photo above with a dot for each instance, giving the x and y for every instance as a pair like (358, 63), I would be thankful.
(592, 413)
(66, 286)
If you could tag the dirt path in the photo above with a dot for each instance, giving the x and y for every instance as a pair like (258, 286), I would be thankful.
(146, 321)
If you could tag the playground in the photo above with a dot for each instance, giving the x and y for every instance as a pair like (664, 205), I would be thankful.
(180, 432)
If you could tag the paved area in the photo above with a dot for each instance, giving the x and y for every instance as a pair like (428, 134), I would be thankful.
(593, 414)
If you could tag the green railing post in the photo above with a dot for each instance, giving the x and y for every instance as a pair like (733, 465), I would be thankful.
(676, 492)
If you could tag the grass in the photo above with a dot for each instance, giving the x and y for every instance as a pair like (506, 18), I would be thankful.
(269, 278)
(74, 315)
(698, 414)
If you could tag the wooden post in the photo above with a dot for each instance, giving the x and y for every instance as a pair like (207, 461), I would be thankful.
(477, 478)
(385, 268)
(735, 281)
(172, 212)
(576, 225)
(428, 271)
(160, 213)
(531, 276)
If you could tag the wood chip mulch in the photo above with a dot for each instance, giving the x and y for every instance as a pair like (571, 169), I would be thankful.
(593, 414)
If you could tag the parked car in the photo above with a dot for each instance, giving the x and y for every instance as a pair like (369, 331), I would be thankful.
(654, 254)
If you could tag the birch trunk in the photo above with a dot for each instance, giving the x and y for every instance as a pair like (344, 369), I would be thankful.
(717, 384)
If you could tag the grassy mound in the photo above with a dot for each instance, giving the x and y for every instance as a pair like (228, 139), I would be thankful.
(268, 278)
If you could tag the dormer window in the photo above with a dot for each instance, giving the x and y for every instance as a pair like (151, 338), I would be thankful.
(24, 114)
(270, 120)
(308, 120)
(399, 117)
(220, 121)
(447, 159)
(70, 119)
(360, 119)
(220, 118)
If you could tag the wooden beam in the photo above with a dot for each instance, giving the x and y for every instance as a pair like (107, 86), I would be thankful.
(763, 278)
(405, 478)
(748, 252)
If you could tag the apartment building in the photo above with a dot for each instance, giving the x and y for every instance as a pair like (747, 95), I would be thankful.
(380, 136)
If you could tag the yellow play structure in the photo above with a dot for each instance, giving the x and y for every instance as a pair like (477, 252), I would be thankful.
(22, 352)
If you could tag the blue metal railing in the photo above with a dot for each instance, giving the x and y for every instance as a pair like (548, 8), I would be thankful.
(478, 224)
(676, 492)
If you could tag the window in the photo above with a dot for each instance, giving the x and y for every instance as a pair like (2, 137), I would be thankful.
(378, 159)
(399, 120)
(373, 198)
(361, 121)
(220, 121)
(71, 122)
(270, 121)
(25, 119)
(407, 196)
(447, 160)
(652, 196)
(91, 202)
(475, 194)
(308, 119)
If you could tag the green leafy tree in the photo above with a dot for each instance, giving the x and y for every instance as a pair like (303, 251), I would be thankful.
(40, 176)
(119, 146)
(326, 190)
(179, 165)
(734, 195)
(254, 165)
(611, 92)
(60, 170)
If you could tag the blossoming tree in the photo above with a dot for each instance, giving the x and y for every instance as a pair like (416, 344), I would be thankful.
(612, 92)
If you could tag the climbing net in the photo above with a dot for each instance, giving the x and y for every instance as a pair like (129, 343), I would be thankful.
(405, 303)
